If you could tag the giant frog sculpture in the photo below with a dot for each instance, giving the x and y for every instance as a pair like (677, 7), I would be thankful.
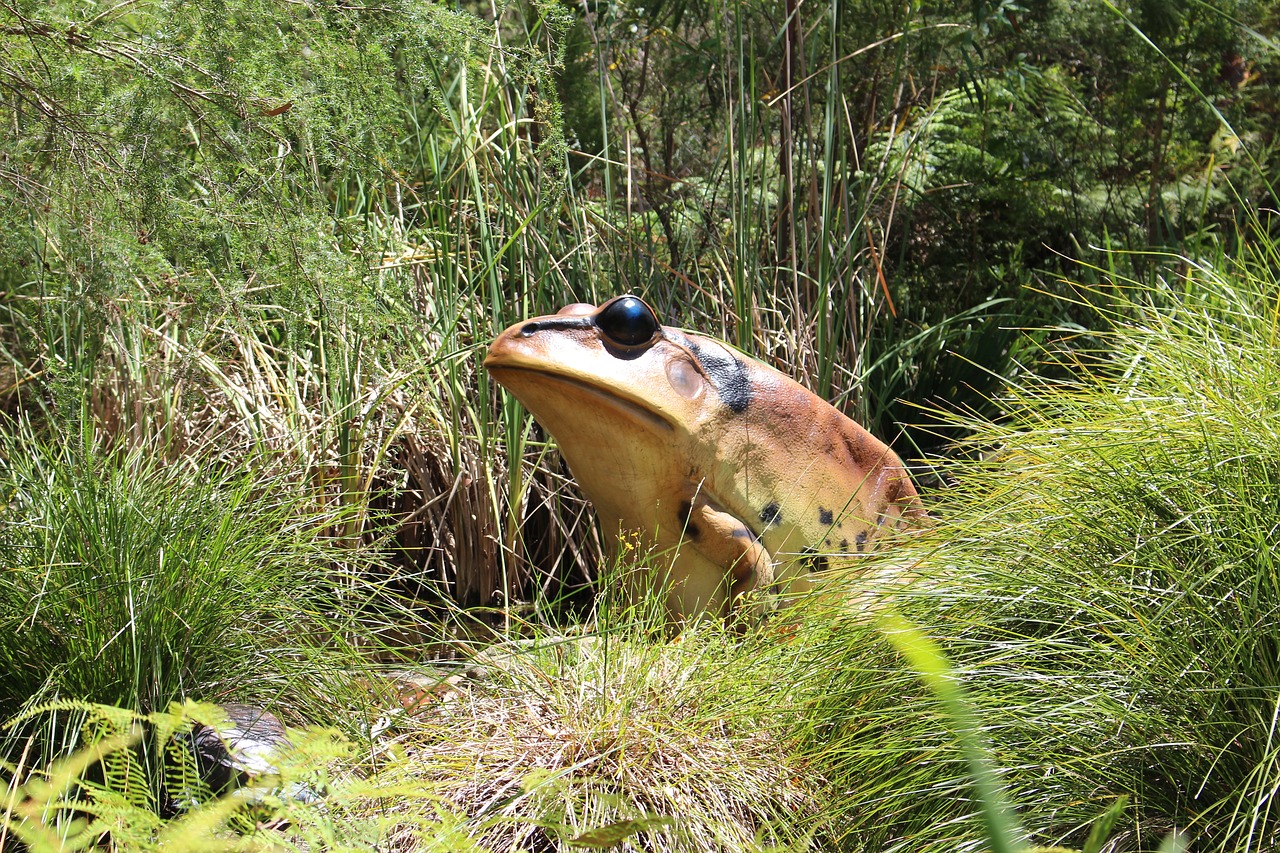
(729, 467)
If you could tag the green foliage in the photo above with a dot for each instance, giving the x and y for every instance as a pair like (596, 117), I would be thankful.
(924, 656)
(134, 582)
(101, 793)
(1149, 486)
(220, 243)
(228, 158)
(869, 173)
(1101, 578)
(209, 138)
(1071, 133)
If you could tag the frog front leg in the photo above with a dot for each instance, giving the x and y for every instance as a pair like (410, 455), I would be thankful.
(725, 540)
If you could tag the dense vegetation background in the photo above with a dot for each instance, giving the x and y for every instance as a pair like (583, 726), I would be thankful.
(252, 253)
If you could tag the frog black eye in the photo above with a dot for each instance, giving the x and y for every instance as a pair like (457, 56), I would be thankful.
(627, 321)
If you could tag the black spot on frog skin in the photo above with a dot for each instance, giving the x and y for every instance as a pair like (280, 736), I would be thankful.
(691, 530)
(817, 562)
(771, 515)
(860, 540)
(826, 516)
(844, 545)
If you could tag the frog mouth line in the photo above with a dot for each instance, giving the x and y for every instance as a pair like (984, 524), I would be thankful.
(617, 401)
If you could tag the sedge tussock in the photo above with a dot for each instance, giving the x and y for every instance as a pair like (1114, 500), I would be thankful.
(576, 734)
(1103, 579)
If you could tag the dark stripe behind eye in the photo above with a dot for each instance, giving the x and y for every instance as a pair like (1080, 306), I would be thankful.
(729, 375)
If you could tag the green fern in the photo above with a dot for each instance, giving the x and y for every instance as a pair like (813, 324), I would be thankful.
(109, 789)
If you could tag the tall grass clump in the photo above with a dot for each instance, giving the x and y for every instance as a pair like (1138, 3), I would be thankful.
(1103, 576)
(616, 739)
(134, 582)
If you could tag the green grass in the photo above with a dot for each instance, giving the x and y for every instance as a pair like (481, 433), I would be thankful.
(1103, 580)
(133, 581)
